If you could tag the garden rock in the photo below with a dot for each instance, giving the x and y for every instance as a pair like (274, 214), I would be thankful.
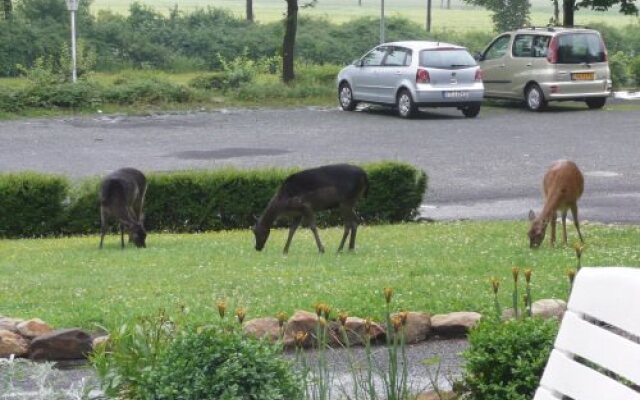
(99, 341)
(356, 329)
(417, 326)
(66, 344)
(12, 343)
(545, 309)
(10, 324)
(33, 327)
(454, 324)
(301, 322)
(433, 395)
(267, 328)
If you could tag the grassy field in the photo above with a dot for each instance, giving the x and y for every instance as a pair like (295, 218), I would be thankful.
(460, 17)
(432, 267)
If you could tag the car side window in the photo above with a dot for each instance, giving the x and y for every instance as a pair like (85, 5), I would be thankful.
(396, 57)
(498, 48)
(541, 46)
(374, 57)
(522, 46)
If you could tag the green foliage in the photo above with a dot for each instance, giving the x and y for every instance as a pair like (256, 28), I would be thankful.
(505, 360)
(634, 70)
(31, 204)
(619, 66)
(146, 90)
(194, 201)
(507, 14)
(209, 363)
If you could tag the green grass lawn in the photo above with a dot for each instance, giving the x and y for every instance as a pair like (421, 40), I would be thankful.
(460, 17)
(432, 267)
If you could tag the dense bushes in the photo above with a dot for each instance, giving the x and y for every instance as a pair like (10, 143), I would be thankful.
(34, 205)
(506, 360)
(31, 204)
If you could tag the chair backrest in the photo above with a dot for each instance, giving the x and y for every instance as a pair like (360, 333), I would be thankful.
(596, 355)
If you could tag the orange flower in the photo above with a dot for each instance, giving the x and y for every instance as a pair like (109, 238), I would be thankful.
(527, 275)
(367, 326)
(222, 307)
(396, 321)
(388, 294)
(403, 317)
(342, 316)
(571, 274)
(282, 318)
(300, 337)
(240, 313)
(319, 307)
(515, 271)
(495, 283)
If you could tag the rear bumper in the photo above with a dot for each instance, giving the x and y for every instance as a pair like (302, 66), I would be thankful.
(442, 97)
(569, 91)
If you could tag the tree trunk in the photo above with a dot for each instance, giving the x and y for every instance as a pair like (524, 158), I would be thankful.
(567, 12)
(250, 10)
(7, 7)
(288, 45)
(556, 12)
(428, 22)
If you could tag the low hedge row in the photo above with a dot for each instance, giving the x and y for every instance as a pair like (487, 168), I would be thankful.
(189, 201)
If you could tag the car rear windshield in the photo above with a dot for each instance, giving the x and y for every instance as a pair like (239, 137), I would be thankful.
(446, 59)
(578, 48)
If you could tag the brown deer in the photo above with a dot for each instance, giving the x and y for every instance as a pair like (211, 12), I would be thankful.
(306, 192)
(563, 185)
(122, 196)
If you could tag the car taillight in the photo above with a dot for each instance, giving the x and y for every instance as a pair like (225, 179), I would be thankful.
(422, 76)
(604, 50)
(478, 76)
(552, 55)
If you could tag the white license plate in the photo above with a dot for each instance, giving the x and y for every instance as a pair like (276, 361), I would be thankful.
(457, 94)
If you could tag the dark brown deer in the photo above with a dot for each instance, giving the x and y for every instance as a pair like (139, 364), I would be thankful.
(122, 196)
(304, 193)
(563, 185)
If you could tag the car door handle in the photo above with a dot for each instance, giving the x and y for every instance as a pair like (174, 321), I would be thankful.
(528, 65)
(398, 73)
(502, 65)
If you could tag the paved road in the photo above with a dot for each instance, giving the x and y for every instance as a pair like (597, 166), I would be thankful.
(489, 167)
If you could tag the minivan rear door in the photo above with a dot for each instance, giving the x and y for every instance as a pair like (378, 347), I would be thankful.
(581, 59)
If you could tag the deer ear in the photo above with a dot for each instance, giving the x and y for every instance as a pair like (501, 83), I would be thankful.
(532, 215)
(255, 218)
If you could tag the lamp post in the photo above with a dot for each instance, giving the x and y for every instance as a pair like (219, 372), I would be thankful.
(72, 6)
(381, 21)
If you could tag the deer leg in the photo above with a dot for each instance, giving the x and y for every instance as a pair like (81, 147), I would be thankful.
(554, 217)
(311, 218)
(574, 215)
(346, 216)
(352, 240)
(121, 235)
(564, 227)
(292, 229)
(103, 225)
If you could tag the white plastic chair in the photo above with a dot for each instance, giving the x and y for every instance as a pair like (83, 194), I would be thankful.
(610, 295)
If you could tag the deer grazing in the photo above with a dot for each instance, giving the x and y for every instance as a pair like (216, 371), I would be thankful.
(305, 192)
(563, 185)
(122, 196)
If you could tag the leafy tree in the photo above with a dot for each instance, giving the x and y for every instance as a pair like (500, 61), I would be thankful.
(569, 7)
(7, 7)
(507, 14)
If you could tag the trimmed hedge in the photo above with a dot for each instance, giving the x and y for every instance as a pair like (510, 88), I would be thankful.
(191, 201)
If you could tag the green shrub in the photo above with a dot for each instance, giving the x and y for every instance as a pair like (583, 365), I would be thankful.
(213, 80)
(64, 95)
(506, 360)
(634, 69)
(31, 204)
(619, 65)
(146, 90)
(209, 363)
(192, 201)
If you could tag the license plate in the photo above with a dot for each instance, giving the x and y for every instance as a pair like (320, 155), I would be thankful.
(457, 94)
(583, 76)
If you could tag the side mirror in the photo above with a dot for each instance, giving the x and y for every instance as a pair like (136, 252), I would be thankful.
(357, 63)
(478, 57)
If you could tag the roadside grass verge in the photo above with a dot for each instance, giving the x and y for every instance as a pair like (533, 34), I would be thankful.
(439, 267)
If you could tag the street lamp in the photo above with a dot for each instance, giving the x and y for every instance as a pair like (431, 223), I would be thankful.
(72, 6)
(381, 21)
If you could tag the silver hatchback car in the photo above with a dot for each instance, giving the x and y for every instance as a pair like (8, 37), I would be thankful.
(413, 74)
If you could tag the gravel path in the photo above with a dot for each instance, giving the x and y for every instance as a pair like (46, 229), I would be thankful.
(25, 380)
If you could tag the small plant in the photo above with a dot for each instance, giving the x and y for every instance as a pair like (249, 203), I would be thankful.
(495, 286)
(505, 360)
(515, 272)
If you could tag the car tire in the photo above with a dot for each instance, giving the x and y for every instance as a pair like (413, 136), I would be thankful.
(345, 97)
(471, 111)
(534, 98)
(405, 105)
(596, 103)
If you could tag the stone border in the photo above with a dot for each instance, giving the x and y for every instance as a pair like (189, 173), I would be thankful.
(37, 340)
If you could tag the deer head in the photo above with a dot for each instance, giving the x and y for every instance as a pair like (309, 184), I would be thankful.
(537, 230)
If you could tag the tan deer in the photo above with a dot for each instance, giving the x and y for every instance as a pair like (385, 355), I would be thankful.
(563, 185)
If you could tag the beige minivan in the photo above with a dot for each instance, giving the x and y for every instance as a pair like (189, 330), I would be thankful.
(539, 65)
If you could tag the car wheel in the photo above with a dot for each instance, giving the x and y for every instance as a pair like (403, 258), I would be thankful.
(596, 102)
(535, 98)
(471, 111)
(345, 97)
(405, 105)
